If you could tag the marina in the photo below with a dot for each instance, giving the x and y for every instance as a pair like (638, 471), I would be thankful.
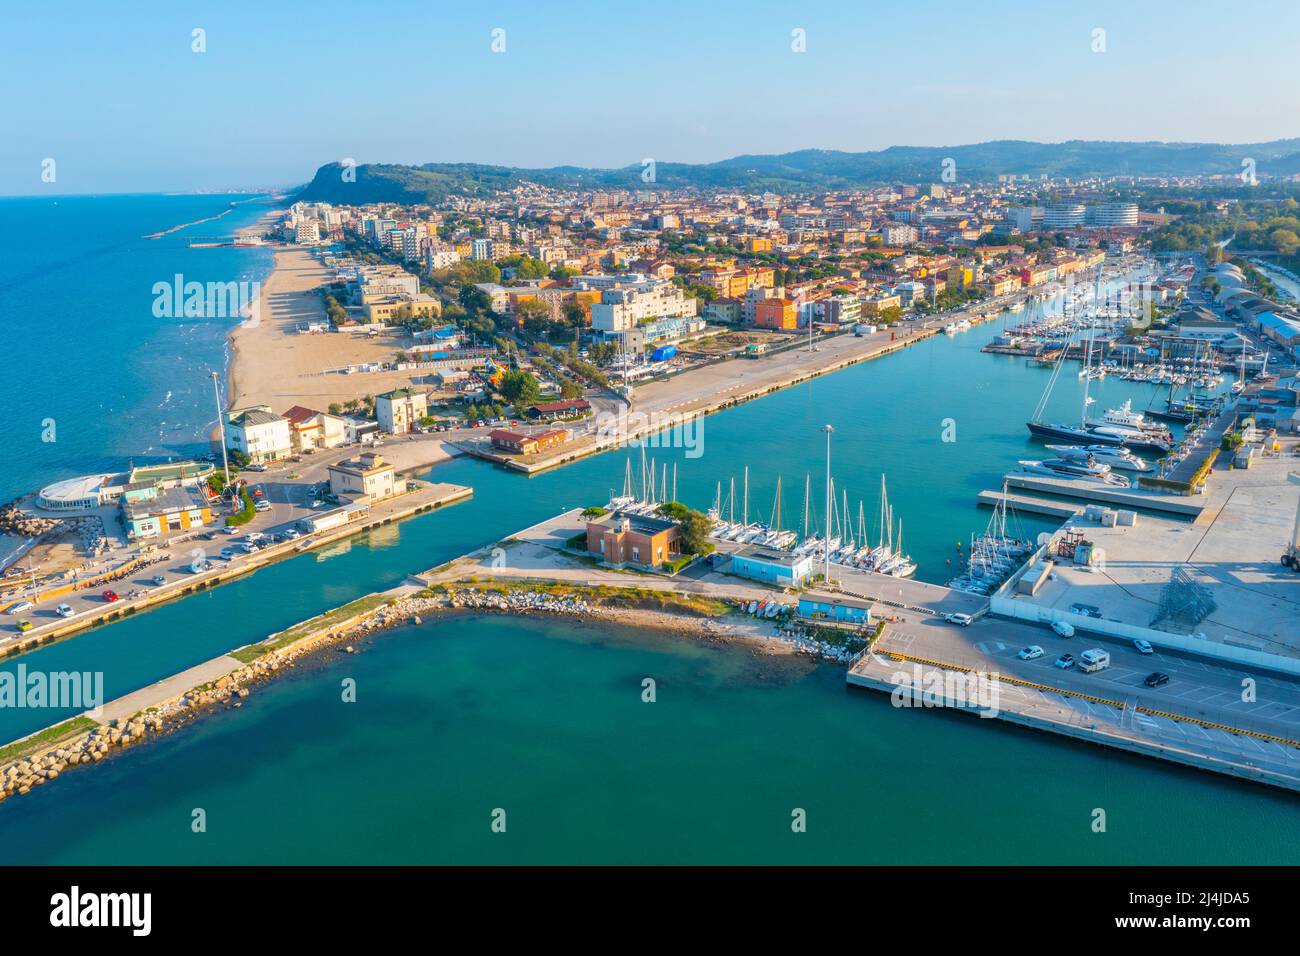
(934, 487)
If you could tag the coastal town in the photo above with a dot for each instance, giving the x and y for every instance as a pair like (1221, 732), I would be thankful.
(539, 326)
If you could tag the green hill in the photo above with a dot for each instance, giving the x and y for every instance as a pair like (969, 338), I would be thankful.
(816, 169)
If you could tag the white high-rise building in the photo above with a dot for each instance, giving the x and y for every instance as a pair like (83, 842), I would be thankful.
(1113, 214)
(1065, 215)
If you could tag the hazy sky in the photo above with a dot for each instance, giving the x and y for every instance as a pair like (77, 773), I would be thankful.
(115, 95)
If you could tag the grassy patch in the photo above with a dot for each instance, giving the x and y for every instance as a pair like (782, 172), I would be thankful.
(46, 738)
(601, 595)
(321, 622)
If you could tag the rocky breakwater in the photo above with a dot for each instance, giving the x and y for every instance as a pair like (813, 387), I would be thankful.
(20, 776)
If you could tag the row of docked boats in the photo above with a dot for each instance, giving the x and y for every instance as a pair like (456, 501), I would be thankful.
(994, 555)
(845, 543)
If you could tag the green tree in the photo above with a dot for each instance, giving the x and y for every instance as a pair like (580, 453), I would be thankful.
(520, 388)
(694, 528)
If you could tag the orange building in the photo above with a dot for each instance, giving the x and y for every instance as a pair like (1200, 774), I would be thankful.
(776, 314)
(522, 444)
(620, 538)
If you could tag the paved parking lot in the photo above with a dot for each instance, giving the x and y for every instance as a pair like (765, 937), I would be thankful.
(1199, 688)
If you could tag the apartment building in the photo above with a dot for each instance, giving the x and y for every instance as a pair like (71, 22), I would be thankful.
(400, 410)
(626, 307)
(258, 433)
(776, 313)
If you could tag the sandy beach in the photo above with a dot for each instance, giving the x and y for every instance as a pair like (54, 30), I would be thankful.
(273, 364)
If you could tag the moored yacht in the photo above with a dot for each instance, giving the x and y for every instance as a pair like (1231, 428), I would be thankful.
(1116, 456)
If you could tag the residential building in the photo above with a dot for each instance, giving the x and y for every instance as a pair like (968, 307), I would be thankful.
(1065, 215)
(400, 410)
(366, 476)
(310, 429)
(898, 234)
(1111, 214)
(778, 314)
(258, 433)
(627, 306)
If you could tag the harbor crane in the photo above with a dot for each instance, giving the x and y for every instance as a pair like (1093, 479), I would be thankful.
(1291, 556)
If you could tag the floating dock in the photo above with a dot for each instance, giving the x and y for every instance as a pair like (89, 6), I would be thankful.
(1108, 494)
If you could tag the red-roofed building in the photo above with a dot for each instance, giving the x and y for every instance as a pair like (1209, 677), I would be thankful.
(522, 444)
(310, 429)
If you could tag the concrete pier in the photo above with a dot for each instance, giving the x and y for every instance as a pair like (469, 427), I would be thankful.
(1030, 504)
(1085, 490)
(1097, 718)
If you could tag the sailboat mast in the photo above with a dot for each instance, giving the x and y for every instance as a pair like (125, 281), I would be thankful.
(807, 491)
(745, 514)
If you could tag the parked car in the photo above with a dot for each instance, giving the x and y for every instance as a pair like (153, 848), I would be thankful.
(256, 466)
(159, 579)
(1064, 628)
(20, 607)
(1157, 679)
(64, 610)
(227, 530)
(24, 626)
(1031, 653)
(110, 596)
(1143, 647)
(228, 553)
(962, 620)
(1065, 661)
(291, 534)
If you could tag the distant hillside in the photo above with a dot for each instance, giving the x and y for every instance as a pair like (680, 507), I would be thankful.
(812, 169)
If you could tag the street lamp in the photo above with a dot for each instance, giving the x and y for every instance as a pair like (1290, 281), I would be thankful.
(221, 426)
(826, 538)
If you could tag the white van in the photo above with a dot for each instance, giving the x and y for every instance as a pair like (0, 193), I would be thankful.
(1093, 659)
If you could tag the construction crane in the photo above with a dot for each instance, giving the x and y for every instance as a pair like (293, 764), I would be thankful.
(1291, 557)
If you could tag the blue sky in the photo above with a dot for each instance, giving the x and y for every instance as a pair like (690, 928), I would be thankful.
(115, 95)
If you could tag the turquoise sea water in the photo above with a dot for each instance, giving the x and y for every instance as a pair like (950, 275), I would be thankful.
(82, 344)
(544, 719)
